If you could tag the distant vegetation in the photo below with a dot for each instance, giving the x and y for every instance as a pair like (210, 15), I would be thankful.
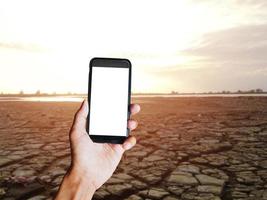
(39, 93)
(253, 91)
(257, 91)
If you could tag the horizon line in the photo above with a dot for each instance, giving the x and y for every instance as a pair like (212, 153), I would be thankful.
(39, 93)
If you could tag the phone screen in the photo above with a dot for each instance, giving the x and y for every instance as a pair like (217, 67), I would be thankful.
(109, 101)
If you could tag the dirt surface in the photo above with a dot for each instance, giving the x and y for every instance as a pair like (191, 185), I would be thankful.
(208, 148)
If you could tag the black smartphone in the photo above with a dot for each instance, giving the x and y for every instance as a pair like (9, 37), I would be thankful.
(109, 98)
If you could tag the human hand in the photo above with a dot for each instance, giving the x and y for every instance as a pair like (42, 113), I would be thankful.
(92, 164)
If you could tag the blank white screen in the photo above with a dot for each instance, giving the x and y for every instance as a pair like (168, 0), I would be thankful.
(109, 101)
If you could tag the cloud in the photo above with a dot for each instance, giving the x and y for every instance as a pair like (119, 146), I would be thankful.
(239, 46)
(229, 59)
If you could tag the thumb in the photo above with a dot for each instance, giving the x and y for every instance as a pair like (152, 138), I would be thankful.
(79, 122)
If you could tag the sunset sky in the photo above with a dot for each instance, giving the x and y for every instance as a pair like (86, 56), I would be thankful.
(186, 46)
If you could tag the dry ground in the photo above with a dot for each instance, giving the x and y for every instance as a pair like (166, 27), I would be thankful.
(188, 148)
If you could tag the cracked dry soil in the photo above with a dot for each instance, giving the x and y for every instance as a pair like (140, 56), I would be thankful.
(189, 148)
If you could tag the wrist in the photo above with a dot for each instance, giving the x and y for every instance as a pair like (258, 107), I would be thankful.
(76, 186)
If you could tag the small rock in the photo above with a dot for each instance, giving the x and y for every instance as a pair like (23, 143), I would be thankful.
(151, 178)
(134, 197)
(119, 189)
(189, 168)
(23, 171)
(199, 160)
(209, 189)
(123, 176)
(155, 193)
(138, 184)
(181, 179)
(208, 180)
(153, 158)
(176, 190)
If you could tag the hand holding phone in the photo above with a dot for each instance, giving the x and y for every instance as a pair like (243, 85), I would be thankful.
(92, 164)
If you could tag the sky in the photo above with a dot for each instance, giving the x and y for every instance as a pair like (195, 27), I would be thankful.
(184, 46)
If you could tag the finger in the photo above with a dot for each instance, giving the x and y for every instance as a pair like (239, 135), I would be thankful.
(135, 108)
(129, 143)
(81, 117)
(117, 148)
(132, 124)
(121, 148)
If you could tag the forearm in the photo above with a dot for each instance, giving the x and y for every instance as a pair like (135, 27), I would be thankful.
(75, 187)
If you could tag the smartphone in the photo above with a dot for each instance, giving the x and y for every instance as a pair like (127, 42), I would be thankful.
(109, 98)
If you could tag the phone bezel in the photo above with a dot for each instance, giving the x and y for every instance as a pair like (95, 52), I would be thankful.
(114, 63)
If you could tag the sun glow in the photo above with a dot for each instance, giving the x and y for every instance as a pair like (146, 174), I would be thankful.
(47, 45)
